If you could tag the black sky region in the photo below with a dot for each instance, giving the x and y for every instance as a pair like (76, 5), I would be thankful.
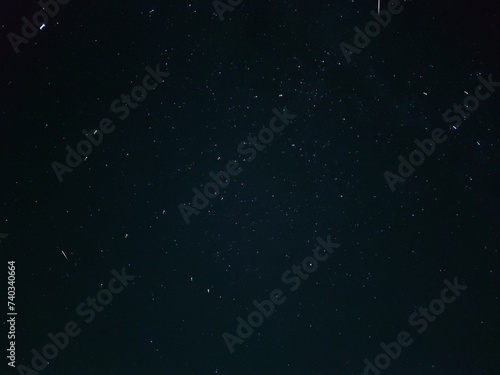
(322, 175)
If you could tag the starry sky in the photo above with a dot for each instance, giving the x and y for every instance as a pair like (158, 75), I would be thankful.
(321, 176)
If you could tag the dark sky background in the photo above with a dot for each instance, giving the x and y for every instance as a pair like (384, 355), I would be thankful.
(323, 175)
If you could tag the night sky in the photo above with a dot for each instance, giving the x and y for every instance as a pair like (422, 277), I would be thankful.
(256, 188)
